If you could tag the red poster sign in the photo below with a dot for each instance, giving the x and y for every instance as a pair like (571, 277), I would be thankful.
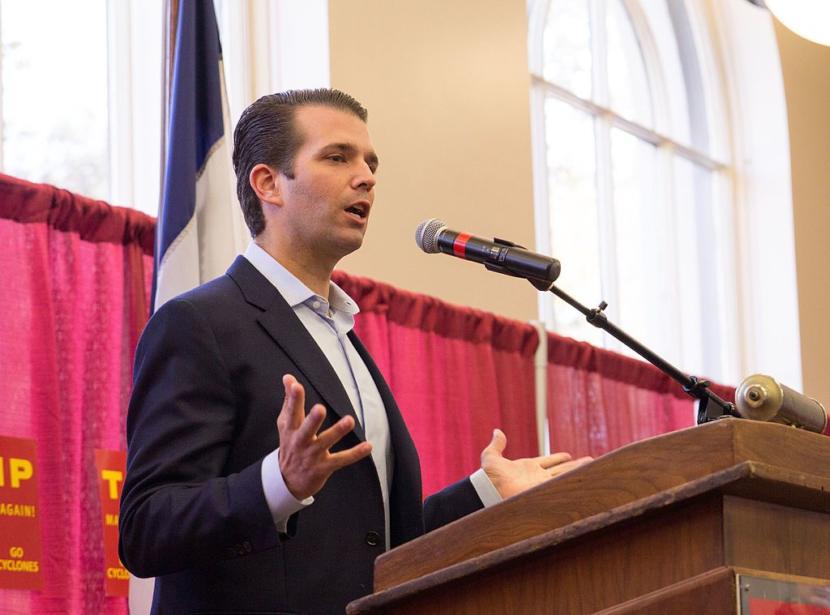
(761, 606)
(111, 467)
(20, 542)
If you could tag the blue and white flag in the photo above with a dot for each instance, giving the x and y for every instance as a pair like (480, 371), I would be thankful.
(200, 227)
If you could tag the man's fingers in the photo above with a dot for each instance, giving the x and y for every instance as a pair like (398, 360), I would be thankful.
(333, 434)
(567, 466)
(291, 413)
(497, 444)
(341, 459)
(307, 431)
(548, 461)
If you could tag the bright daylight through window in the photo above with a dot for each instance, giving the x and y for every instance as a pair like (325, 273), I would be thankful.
(54, 88)
(632, 177)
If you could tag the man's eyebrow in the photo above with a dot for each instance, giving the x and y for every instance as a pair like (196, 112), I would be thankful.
(347, 148)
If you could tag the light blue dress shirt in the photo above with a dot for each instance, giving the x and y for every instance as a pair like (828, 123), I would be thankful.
(329, 322)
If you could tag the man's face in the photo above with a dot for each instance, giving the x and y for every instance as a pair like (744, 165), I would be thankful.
(326, 205)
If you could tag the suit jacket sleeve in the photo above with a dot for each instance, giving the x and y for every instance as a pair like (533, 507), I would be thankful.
(451, 503)
(180, 507)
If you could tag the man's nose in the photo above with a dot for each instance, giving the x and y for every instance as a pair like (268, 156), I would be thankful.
(365, 178)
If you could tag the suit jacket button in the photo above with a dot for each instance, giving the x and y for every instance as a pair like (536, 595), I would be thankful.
(373, 539)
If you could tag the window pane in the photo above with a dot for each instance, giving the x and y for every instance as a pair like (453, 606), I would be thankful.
(646, 271)
(654, 225)
(567, 46)
(675, 115)
(689, 235)
(705, 251)
(574, 228)
(55, 93)
(628, 85)
(695, 66)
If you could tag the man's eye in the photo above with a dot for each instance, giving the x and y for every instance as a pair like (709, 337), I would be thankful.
(337, 158)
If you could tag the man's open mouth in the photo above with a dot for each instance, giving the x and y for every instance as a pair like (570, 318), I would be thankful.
(359, 209)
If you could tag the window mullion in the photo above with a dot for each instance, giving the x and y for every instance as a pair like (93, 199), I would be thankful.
(602, 134)
(638, 130)
(599, 55)
(605, 209)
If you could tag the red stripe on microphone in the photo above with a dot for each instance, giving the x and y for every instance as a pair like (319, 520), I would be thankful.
(459, 246)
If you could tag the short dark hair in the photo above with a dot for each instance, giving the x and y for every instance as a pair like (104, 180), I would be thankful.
(265, 133)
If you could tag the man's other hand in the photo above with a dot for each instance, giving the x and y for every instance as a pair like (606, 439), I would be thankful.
(305, 460)
(512, 476)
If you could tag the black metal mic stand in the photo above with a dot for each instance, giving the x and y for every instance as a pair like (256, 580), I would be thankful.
(710, 405)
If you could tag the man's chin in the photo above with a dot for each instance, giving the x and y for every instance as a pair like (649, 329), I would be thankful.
(349, 243)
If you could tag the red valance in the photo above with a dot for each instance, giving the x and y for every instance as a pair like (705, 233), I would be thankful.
(567, 352)
(95, 221)
(432, 315)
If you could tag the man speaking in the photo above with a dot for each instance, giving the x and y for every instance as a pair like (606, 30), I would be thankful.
(268, 464)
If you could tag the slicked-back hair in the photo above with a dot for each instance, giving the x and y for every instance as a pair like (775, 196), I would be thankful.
(266, 133)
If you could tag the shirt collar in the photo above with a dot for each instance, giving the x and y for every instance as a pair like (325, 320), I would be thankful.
(292, 289)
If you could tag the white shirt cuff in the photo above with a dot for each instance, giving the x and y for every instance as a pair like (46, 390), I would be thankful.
(485, 489)
(280, 501)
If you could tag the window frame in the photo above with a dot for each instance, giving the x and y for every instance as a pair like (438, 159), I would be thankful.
(724, 361)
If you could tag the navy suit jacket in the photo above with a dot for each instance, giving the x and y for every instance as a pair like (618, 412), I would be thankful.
(207, 392)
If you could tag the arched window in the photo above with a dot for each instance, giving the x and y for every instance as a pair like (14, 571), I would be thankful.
(633, 177)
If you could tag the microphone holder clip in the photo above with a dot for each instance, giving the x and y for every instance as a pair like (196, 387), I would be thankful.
(542, 285)
(490, 266)
(698, 388)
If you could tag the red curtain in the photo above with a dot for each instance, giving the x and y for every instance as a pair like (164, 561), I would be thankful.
(447, 366)
(599, 400)
(76, 274)
(74, 279)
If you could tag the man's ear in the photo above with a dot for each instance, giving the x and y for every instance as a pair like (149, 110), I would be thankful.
(266, 184)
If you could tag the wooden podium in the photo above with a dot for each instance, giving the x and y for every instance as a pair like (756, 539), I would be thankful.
(660, 526)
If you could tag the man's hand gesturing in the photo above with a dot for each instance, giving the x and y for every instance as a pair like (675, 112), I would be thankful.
(305, 460)
(512, 476)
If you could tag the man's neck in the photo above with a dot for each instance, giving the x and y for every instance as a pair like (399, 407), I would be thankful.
(315, 275)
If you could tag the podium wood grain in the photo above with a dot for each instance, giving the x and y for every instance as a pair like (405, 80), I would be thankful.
(640, 520)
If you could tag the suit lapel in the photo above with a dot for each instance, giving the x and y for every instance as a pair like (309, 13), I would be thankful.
(399, 435)
(389, 403)
(405, 511)
(285, 328)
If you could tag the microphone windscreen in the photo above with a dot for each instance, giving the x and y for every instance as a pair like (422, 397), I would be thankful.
(426, 235)
(762, 398)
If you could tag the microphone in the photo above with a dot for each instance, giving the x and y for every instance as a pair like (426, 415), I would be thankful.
(433, 236)
(763, 398)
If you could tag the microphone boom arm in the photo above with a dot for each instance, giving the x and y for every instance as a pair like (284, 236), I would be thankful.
(710, 405)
